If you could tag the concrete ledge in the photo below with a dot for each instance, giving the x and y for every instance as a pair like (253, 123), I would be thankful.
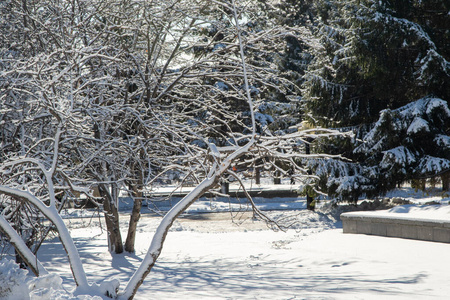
(394, 226)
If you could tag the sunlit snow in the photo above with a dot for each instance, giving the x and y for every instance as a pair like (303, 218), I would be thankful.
(231, 256)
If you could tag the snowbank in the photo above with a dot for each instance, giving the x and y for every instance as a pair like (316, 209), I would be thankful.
(16, 284)
(12, 281)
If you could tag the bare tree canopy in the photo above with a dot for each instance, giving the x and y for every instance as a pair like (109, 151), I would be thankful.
(115, 94)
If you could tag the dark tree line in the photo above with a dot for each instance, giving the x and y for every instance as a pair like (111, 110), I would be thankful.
(382, 70)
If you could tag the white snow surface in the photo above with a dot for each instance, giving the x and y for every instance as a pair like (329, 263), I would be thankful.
(434, 213)
(231, 256)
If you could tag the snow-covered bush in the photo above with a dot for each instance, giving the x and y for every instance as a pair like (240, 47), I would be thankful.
(12, 281)
(50, 287)
(17, 284)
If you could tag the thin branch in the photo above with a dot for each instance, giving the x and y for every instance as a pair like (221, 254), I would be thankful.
(256, 210)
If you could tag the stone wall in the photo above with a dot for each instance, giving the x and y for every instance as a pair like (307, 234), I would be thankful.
(418, 229)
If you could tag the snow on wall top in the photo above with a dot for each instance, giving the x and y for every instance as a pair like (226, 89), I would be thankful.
(413, 212)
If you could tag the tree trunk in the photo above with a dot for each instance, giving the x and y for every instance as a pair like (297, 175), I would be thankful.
(112, 218)
(225, 187)
(310, 204)
(160, 235)
(21, 249)
(445, 177)
(28, 242)
(134, 219)
(423, 184)
(277, 177)
(258, 176)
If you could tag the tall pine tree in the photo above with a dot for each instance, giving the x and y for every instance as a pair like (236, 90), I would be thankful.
(377, 55)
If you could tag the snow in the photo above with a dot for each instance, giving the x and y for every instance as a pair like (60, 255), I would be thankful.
(12, 280)
(434, 213)
(423, 106)
(397, 156)
(415, 117)
(442, 140)
(417, 125)
(221, 86)
(232, 256)
(263, 119)
(214, 150)
(433, 164)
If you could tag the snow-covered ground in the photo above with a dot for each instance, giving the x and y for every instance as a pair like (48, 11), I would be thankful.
(231, 256)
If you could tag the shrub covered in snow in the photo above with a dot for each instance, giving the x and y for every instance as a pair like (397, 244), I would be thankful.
(16, 284)
(12, 281)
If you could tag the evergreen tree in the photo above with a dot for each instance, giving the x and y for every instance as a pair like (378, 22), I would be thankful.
(411, 142)
(373, 56)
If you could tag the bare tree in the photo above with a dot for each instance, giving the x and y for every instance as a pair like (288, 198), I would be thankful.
(127, 98)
